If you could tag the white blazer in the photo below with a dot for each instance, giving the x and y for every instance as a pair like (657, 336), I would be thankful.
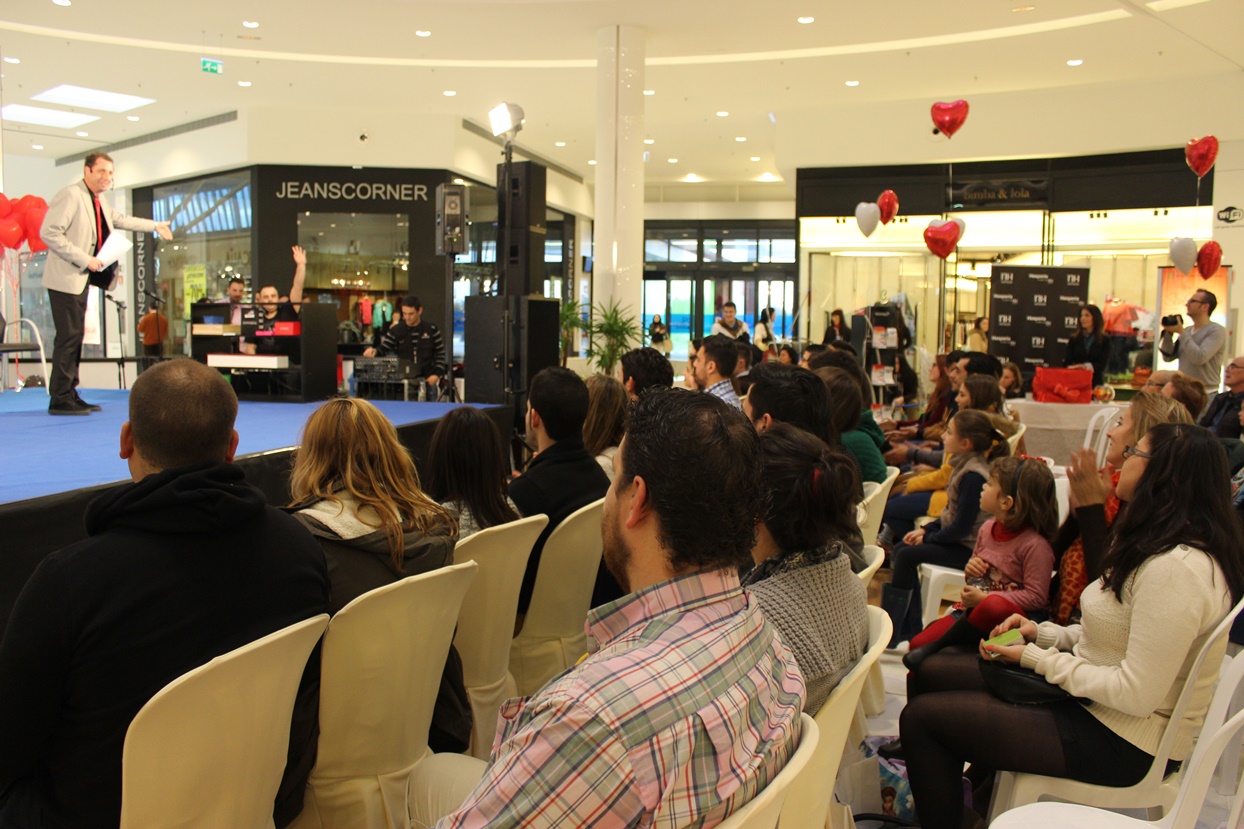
(69, 233)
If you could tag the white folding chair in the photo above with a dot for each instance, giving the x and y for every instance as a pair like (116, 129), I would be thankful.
(1013, 440)
(553, 636)
(1095, 435)
(807, 802)
(875, 496)
(1156, 792)
(763, 810)
(938, 584)
(381, 668)
(872, 699)
(486, 621)
(209, 749)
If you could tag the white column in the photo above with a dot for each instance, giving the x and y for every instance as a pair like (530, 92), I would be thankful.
(1229, 193)
(618, 253)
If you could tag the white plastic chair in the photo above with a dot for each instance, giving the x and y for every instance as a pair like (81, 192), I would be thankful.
(875, 496)
(382, 661)
(1095, 435)
(1183, 815)
(1013, 440)
(763, 810)
(874, 555)
(553, 636)
(209, 749)
(872, 699)
(486, 621)
(807, 801)
(938, 584)
(1157, 791)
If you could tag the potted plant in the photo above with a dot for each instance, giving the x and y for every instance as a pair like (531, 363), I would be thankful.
(570, 321)
(611, 333)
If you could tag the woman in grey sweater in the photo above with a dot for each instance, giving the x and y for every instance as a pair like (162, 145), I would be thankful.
(803, 580)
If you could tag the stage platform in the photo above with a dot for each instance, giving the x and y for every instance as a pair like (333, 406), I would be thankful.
(52, 467)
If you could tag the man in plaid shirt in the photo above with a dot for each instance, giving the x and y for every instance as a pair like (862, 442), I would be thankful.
(687, 703)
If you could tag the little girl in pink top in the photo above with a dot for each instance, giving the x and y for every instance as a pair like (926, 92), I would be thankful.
(1010, 568)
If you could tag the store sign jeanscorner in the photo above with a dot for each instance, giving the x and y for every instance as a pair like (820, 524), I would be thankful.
(352, 190)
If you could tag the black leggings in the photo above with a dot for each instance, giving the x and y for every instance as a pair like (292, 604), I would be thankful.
(951, 718)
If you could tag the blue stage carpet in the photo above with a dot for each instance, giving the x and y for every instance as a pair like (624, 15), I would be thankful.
(45, 455)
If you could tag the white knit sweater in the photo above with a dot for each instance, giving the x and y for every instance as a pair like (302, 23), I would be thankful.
(1131, 657)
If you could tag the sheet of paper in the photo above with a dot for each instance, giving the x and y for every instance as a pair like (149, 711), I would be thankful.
(115, 246)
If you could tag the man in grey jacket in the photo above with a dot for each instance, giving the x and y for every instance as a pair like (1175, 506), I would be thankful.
(1201, 348)
(77, 223)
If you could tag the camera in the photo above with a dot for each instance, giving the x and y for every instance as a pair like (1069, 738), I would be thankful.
(1172, 319)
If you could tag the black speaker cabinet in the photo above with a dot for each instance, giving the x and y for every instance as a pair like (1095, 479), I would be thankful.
(525, 212)
(533, 345)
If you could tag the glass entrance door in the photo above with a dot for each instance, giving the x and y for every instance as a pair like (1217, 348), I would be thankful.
(751, 295)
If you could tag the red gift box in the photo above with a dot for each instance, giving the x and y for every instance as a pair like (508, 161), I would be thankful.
(1063, 385)
(287, 329)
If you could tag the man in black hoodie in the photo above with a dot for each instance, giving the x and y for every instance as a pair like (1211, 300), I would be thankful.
(184, 564)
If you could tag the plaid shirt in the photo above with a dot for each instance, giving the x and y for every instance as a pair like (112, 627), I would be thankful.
(688, 705)
(724, 390)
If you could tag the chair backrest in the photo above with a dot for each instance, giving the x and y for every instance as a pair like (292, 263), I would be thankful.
(1013, 440)
(563, 590)
(1196, 778)
(763, 810)
(875, 556)
(807, 802)
(486, 621)
(1095, 434)
(382, 661)
(874, 504)
(209, 749)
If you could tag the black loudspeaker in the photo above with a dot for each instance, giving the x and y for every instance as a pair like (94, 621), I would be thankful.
(533, 345)
(525, 213)
(451, 200)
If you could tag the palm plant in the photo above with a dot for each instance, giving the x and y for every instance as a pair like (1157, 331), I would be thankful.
(611, 333)
(570, 321)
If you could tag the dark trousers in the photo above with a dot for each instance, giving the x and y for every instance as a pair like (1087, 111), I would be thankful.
(69, 317)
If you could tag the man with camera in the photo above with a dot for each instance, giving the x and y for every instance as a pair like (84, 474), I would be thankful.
(1200, 348)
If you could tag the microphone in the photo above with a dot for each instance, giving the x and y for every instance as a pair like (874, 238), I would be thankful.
(155, 297)
(116, 301)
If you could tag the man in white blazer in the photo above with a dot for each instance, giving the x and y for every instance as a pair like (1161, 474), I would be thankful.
(77, 223)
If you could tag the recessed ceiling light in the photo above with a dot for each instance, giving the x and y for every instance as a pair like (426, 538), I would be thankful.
(806, 20)
(721, 113)
(81, 133)
(456, 181)
(650, 92)
(559, 143)
(85, 98)
(591, 162)
(422, 33)
(740, 138)
(853, 83)
(1075, 62)
(244, 83)
(1023, 8)
(692, 177)
(768, 177)
(12, 60)
(63, 2)
(672, 160)
(36, 146)
(131, 117)
(251, 24)
(44, 117)
(650, 141)
(449, 93)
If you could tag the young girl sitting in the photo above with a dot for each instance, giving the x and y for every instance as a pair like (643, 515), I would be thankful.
(1009, 571)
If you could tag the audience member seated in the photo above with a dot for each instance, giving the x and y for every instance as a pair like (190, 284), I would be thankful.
(1222, 416)
(688, 701)
(606, 419)
(1012, 382)
(1080, 545)
(186, 563)
(356, 489)
(789, 394)
(643, 368)
(1174, 569)
(1188, 391)
(787, 355)
(978, 391)
(1157, 380)
(973, 439)
(810, 351)
(562, 477)
(748, 356)
(714, 368)
(935, 411)
(689, 377)
(844, 406)
(803, 580)
(466, 471)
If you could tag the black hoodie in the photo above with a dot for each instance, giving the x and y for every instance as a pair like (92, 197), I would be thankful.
(180, 567)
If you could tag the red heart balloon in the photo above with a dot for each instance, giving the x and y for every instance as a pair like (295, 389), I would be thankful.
(27, 202)
(949, 117)
(6, 206)
(1208, 259)
(942, 237)
(887, 203)
(1201, 154)
(11, 232)
(32, 220)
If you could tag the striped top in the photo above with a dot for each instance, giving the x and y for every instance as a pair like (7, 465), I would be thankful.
(686, 706)
(724, 390)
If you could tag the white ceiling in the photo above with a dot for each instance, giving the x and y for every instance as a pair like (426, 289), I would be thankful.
(357, 61)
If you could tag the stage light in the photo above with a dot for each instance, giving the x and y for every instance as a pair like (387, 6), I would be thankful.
(506, 118)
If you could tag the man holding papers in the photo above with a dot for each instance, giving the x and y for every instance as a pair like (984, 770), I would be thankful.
(75, 230)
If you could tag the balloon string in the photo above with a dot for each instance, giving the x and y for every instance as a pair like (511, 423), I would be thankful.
(1198, 191)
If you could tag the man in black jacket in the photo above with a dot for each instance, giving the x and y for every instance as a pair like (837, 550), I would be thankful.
(562, 477)
(186, 563)
(413, 338)
(1222, 415)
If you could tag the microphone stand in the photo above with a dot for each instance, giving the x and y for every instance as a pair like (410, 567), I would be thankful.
(120, 338)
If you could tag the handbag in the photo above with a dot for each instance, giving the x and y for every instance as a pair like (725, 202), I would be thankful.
(1062, 385)
(1012, 683)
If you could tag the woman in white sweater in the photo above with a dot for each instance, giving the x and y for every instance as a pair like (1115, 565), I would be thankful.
(1174, 569)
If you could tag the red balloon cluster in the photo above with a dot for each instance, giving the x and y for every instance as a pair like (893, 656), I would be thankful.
(22, 221)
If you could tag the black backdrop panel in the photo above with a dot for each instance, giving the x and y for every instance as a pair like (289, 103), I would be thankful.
(1033, 312)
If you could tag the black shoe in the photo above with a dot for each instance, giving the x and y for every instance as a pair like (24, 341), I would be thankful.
(68, 407)
(82, 402)
(892, 750)
(912, 659)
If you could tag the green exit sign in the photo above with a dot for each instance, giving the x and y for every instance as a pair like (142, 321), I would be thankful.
(212, 67)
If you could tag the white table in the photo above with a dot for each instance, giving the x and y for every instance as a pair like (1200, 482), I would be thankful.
(1055, 430)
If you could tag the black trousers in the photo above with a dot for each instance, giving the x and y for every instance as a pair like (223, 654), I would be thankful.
(69, 317)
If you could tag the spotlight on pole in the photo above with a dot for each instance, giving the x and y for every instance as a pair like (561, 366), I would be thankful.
(506, 118)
